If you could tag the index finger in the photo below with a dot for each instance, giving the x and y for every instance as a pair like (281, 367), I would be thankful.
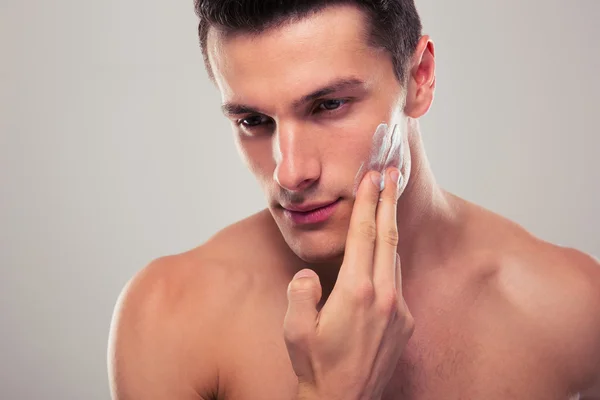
(362, 232)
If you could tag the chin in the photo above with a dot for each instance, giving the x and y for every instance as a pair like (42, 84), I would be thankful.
(317, 246)
(317, 253)
(319, 243)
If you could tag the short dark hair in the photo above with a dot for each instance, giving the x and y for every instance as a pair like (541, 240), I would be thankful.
(395, 25)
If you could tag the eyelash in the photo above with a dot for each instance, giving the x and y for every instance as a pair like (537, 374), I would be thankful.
(343, 102)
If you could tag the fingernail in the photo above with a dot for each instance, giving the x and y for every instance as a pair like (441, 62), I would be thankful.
(395, 175)
(378, 180)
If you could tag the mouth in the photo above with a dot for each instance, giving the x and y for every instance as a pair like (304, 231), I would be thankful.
(310, 213)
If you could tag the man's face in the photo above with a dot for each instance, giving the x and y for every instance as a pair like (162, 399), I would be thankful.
(304, 101)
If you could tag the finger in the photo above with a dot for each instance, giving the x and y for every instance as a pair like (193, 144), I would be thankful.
(402, 306)
(376, 155)
(304, 293)
(386, 244)
(362, 232)
(398, 278)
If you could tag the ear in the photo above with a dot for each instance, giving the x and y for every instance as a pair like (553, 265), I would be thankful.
(421, 79)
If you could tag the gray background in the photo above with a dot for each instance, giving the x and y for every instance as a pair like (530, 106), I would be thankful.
(106, 118)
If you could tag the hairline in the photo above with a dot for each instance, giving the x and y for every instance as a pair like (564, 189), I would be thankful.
(369, 34)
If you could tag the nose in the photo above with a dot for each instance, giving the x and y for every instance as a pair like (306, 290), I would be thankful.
(297, 159)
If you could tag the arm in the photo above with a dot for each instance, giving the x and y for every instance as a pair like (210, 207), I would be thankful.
(592, 391)
(150, 353)
(591, 370)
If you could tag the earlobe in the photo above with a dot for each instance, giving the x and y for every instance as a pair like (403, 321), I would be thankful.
(419, 105)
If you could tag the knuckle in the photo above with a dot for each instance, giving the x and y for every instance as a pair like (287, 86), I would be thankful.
(388, 303)
(364, 292)
(389, 196)
(390, 236)
(368, 229)
(294, 333)
(407, 323)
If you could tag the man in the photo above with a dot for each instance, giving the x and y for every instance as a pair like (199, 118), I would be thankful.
(307, 299)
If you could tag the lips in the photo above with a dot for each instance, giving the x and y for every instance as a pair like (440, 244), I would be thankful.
(308, 214)
(308, 207)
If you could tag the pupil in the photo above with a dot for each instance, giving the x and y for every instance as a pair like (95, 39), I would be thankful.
(331, 104)
(252, 121)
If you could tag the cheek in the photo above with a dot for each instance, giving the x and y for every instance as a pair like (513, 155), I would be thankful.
(348, 149)
(384, 149)
(257, 156)
(357, 135)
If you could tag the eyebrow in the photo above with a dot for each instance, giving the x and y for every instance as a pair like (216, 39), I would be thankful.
(232, 109)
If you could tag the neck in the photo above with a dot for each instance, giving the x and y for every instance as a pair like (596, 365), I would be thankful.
(428, 220)
(428, 216)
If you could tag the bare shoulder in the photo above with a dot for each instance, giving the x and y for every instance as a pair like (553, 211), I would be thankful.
(168, 326)
(556, 292)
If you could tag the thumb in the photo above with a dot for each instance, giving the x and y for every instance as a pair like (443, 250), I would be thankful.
(304, 293)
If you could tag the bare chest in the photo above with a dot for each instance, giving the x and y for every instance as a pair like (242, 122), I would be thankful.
(466, 349)
(435, 366)
(458, 367)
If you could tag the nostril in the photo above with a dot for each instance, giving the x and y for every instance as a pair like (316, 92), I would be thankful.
(305, 184)
(297, 174)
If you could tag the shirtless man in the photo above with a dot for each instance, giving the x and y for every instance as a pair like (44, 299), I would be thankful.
(315, 305)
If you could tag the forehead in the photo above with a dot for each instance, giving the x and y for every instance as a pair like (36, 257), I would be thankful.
(293, 59)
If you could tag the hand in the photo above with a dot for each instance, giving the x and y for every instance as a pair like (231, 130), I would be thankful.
(349, 350)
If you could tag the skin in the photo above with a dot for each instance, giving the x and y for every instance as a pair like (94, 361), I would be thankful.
(498, 313)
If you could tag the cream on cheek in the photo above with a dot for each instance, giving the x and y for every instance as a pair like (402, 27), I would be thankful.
(387, 150)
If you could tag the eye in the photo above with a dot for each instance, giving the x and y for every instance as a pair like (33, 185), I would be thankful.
(253, 121)
(331, 105)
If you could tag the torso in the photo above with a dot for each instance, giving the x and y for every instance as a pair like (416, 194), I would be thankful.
(471, 340)
(459, 350)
